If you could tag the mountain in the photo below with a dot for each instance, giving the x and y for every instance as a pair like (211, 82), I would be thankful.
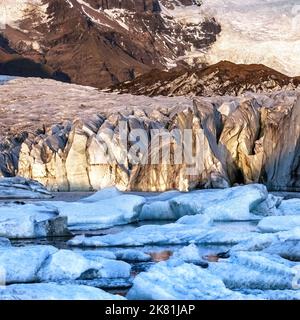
(223, 78)
(99, 42)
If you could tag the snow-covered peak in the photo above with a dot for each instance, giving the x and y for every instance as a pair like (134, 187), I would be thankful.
(12, 11)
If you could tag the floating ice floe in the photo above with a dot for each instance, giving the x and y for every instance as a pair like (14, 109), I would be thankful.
(69, 265)
(48, 264)
(232, 204)
(110, 207)
(4, 242)
(96, 255)
(273, 294)
(285, 244)
(21, 188)
(168, 234)
(107, 193)
(158, 207)
(22, 264)
(290, 207)
(104, 209)
(52, 291)
(254, 270)
(242, 276)
(190, 254)
(175, 280)
(132, 255)
(279, 223)
(248, 202)
(288, 249)
(31, 221)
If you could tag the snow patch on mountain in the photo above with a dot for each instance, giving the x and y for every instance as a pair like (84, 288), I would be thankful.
(257, 31)
(184, 14)
(13, 11)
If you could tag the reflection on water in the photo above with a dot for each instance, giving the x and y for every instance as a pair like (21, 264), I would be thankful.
(161, 255)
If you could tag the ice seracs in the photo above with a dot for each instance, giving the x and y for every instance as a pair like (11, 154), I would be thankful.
(69, 155)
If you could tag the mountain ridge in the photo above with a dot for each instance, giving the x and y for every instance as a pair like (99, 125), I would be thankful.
(223, 78)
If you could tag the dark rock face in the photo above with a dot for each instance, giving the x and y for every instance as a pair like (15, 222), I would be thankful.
(85, 43)
(223, 78)
(132, 5)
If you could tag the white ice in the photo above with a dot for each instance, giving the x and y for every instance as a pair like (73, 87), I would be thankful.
(69, 265)
(104, 209)
(52, 291)
(4, 242)
(22, 264)
(279, 223)
(174, 280)
(254, 270)
(169, 234)
(132, 255)
(190, 254)
(21, 188)
(219, 205)
(12, 11)
(290, 207)
(285, 244)
(48, 264)
(30, 221)
(232, 204)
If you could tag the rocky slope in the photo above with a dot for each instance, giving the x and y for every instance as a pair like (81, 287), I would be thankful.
(97, 42)
(76, 140)
(223, 78)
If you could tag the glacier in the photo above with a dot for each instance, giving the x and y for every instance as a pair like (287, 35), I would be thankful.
(267, 31)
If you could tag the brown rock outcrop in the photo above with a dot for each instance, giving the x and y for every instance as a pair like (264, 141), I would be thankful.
(223, 78)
